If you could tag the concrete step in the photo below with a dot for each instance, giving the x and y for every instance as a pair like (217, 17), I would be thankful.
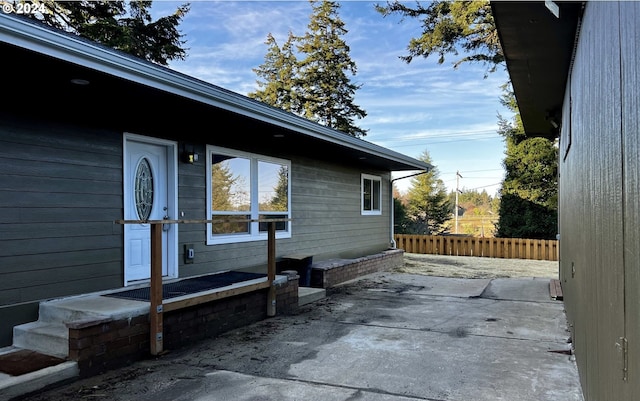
(65, 310)
(16, 386)
(307, 295)
(49, 335)
(51, 338)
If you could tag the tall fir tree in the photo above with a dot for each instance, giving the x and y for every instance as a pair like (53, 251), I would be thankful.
(529, 193)
(327, 92)
(428, 207)
(277, 76)
(280, 201)
(122, 25)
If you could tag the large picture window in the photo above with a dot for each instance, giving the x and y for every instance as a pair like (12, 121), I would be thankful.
(243, 188)
(371, 194)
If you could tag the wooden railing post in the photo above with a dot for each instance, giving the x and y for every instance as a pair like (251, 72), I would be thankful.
(155, 296)
(156, 307)
(271, 268)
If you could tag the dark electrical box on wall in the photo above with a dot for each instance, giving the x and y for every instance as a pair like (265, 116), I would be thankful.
(189, 254)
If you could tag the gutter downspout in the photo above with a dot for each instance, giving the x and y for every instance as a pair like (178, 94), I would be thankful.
(392, 208)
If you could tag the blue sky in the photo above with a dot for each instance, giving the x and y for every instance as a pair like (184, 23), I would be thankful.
(410, 108)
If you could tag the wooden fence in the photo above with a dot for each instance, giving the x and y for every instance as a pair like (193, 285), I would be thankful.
(507, 248)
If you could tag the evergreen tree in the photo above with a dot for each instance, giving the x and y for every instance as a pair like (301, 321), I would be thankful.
(280, 201)
(113, 24)
(428, 206)
(451, 25)
(229, 196)
(327, 93)
(278, 76)
(528, 201)
(529, 193)
(401, 222)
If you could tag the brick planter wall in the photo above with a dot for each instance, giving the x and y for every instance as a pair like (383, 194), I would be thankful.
(100, 345)
(328, 273)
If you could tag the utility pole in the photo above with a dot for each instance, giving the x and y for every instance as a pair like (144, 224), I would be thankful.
(455, 212)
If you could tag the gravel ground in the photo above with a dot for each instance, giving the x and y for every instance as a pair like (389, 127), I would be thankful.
(476, 267)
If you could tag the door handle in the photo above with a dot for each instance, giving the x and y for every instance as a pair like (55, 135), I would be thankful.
(166, 227)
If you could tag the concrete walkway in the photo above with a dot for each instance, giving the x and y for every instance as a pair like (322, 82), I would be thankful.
(387, 336)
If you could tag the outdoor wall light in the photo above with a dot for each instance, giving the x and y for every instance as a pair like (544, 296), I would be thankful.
(189, 157)
(553, 119)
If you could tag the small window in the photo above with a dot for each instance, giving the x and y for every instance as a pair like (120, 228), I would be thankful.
(242, 189)
(371, 194)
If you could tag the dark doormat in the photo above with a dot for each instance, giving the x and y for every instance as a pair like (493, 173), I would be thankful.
(24, 361)
(189, 285)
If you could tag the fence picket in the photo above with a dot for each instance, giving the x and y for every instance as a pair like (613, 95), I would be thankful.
(509, 248)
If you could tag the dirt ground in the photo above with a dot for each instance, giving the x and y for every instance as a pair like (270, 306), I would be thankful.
(476, 267)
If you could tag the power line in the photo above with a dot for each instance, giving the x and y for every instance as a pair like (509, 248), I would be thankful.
(472, 136)
(484, 186)
(426, 141)
(478, 178)
(449, 135)
(476, 171)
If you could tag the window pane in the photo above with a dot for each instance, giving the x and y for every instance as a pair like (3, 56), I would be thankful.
(143, 189)
(273, 187)
(230, 183)
(280, 225)
(376, 195)
(366, 187)
(222, 225)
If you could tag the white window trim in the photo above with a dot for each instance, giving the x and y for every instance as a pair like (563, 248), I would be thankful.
(254, 232)
(370, 212)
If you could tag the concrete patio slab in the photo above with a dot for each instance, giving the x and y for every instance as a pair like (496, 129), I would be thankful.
(383, 337)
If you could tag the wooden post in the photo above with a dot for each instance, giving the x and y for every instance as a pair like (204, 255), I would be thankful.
(271, 268)
(155, 296)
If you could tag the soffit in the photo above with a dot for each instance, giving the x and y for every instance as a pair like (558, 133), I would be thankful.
(538, 48)
(131, 95)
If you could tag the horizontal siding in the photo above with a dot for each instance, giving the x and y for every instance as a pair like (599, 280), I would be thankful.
(60, 192)
(11, 231)
(326, 219)
(70, 277)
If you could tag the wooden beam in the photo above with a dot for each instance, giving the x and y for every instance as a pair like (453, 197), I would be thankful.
(271, 269)
(192, 300)
(203, 221)
(155, 296)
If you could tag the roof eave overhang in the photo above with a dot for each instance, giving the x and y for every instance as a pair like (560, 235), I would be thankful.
(538, 47)
(44, 40)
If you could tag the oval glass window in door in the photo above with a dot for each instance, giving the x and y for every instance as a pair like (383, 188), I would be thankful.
(143, 189)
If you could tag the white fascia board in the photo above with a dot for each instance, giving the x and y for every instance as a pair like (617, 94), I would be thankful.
(68, 47)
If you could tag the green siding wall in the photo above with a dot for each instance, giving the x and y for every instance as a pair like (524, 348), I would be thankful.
(326, 219)
(61, 191)
(599, 196)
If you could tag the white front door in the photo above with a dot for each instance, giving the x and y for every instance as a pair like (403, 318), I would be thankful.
(149, 194)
